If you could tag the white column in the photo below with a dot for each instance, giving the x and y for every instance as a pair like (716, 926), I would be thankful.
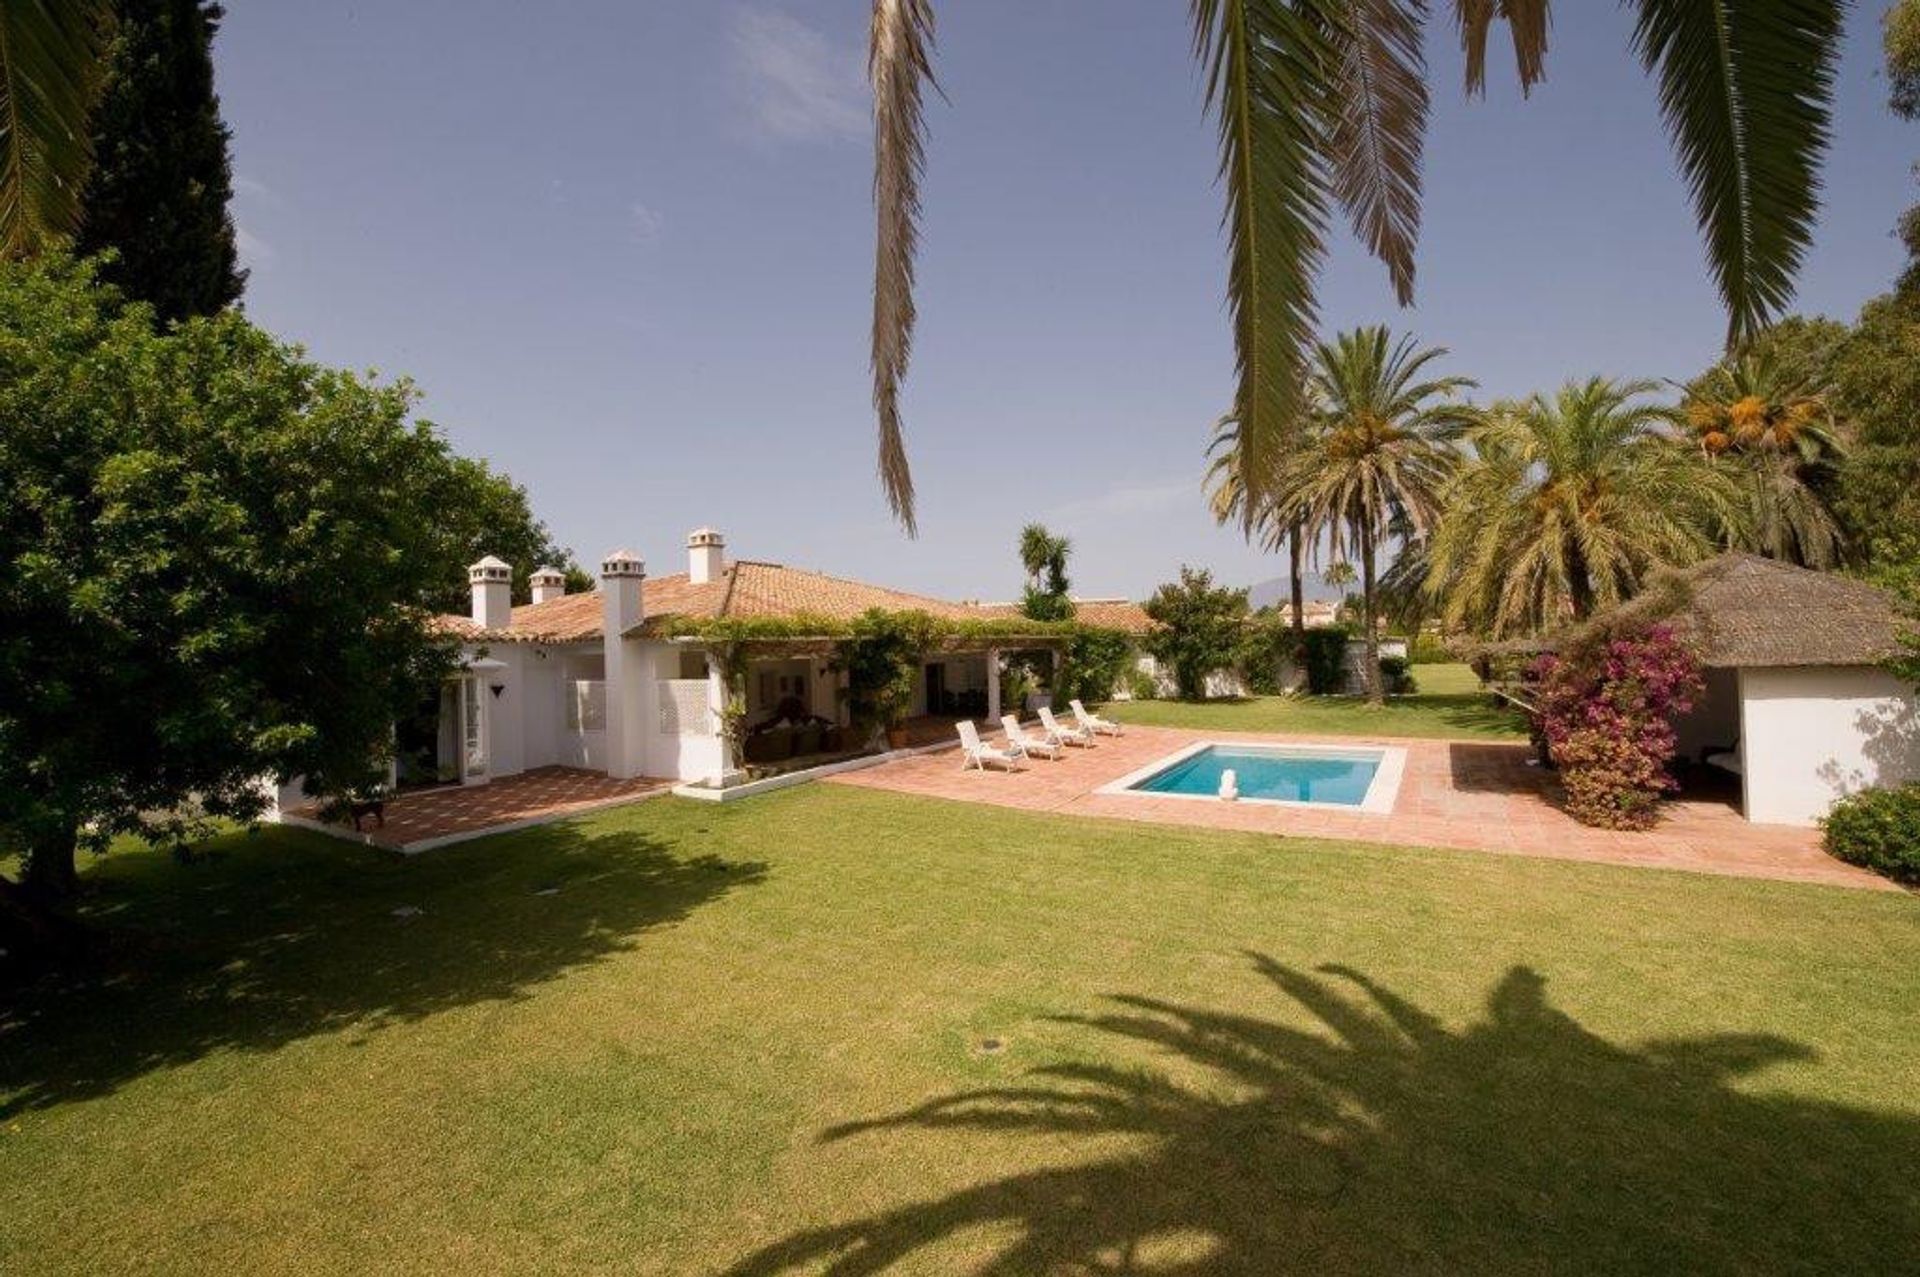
(717, 703)
(993, 686)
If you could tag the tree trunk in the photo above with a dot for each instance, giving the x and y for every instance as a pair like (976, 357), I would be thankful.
(1297, 590)
(50, 873)
(1299, 587)
(1376, 694)
(1579, 585)
(34, 930)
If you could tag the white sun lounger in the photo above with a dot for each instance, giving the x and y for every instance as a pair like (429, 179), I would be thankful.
(1093, 722)
(975, 752)
(1058, 731)
(1024, 741)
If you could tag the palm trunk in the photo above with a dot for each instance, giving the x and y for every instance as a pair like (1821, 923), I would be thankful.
(1376, 694)
(1297, 592)
(1579, 585)
(1299, 588)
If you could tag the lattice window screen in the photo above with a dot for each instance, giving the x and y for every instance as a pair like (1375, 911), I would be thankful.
(683, 707)
(587, 705)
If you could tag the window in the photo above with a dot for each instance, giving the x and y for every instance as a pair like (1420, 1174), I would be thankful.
(587, 705)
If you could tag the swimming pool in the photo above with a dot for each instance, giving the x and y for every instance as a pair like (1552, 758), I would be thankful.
(1358, 778)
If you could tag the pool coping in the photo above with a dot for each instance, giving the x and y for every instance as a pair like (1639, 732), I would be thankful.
(1382, 792)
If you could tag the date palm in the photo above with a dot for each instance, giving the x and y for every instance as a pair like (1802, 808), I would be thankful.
(1775, 432)
(52, 65)
(1323, 103)
(1566, 504)
(1379, 454)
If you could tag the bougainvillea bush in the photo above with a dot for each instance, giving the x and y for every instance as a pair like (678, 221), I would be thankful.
(1606, 709)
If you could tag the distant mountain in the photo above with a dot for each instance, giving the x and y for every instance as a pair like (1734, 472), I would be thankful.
(1274, 592)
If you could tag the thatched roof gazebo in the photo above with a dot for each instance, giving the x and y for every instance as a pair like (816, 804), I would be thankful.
(1799, 700)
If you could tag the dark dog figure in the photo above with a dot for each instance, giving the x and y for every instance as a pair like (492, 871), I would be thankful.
(377, 808)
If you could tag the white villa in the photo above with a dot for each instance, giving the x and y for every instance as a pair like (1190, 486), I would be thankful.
(606, 680)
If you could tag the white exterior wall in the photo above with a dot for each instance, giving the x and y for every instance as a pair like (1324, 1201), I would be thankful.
(1714, 722)
(1812, 734)
(683, 755)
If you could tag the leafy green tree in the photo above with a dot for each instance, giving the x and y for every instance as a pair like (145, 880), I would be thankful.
(1566, 504)
(1200, 628)
(1322, 105)
(1773, 428)
(1876, 378)
(1047, 596)
(211, 556)
(1380, 451)
(479, 512)
(157, 194)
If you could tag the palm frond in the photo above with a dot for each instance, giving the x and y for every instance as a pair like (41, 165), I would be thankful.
(1379, 129)
(1528, 20)
(52, 62)
(900, 67)
(1745, 87)
(1269, 74)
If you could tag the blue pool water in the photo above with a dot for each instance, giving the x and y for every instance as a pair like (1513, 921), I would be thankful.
(1287, 774)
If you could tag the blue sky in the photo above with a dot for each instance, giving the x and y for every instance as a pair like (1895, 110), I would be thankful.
(625, 249)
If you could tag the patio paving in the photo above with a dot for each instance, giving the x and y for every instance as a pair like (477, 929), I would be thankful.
(1466, 795)
(430, 818)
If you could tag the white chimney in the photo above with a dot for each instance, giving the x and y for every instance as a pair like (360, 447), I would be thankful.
(492, 582)
(622, 575)
(706, 556)
(548, 583)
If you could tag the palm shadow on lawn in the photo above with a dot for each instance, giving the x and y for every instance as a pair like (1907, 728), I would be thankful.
(1386, 1141)
(265, 945)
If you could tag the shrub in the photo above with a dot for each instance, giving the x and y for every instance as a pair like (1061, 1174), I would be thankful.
(1396, 675)
(1878, 829)
(1326, 659)
(1265, 645)
(1429, 649)
(1140, 685)
(882, 658)
(1606, 709)
(1093, 663)
(1199, 628)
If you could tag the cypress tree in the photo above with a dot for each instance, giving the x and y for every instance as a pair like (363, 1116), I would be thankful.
(161, 179)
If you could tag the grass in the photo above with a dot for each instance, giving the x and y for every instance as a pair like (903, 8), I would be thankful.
(1448, 704)
(833, 1025)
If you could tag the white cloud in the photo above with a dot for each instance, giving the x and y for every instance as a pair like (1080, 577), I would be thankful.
(254, 188)
(799, 86)
(647, 223)
(1132, 499)
(253, 250)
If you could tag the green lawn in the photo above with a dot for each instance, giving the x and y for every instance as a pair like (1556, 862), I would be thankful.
(1447, 704)
(686, 1038)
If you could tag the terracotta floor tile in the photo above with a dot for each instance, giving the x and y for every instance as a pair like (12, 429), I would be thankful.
(1470, 795)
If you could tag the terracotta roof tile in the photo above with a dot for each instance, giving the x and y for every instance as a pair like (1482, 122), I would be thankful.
(748, 589)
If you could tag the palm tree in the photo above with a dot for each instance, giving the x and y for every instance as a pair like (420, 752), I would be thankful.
(1324, 102)
(1775, 431)
(52, 66)
(1044, 556)
(1379, 455)
(1227, 499)
(1566, 505)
